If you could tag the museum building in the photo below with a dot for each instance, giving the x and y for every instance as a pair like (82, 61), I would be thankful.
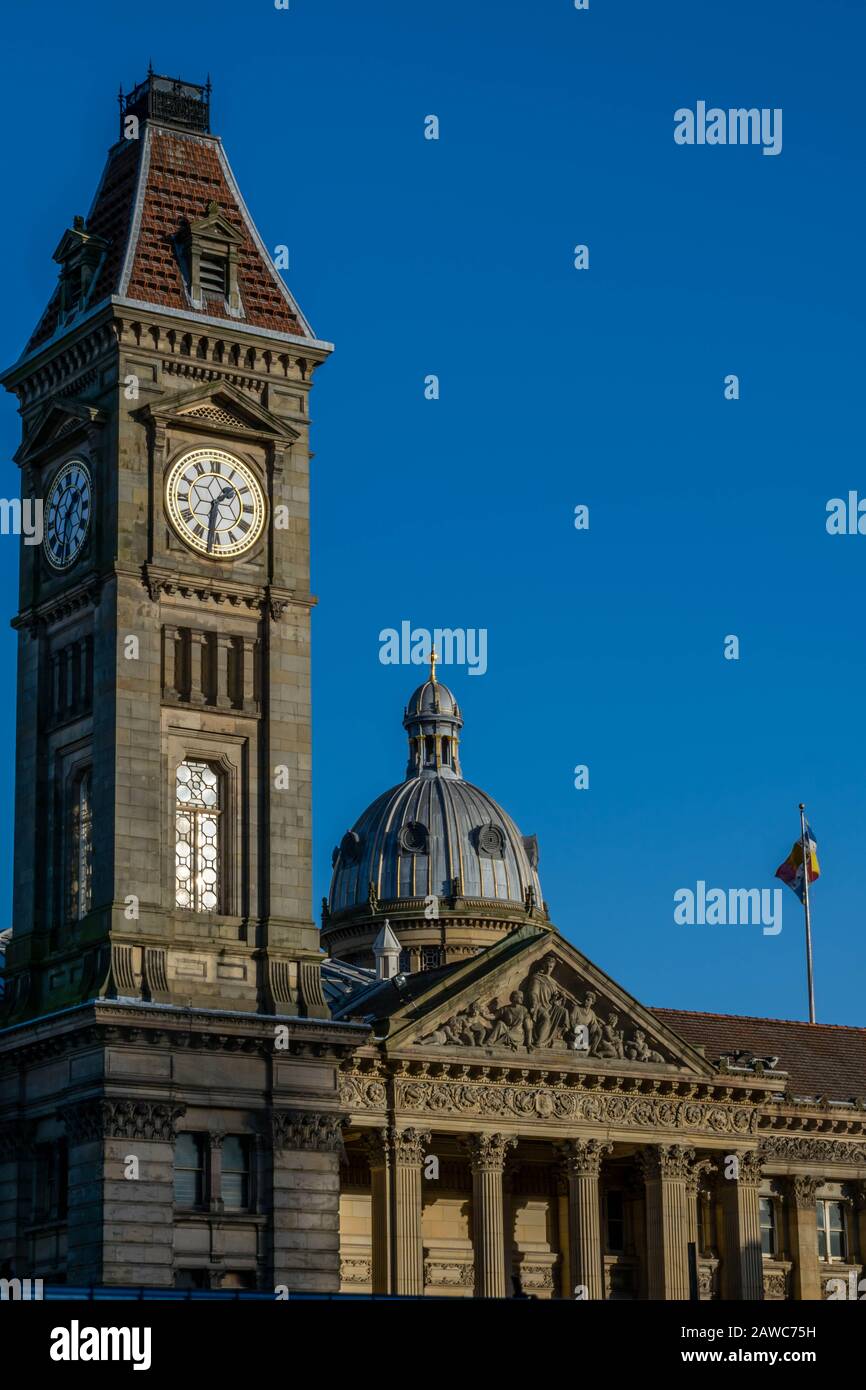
(436, 1094)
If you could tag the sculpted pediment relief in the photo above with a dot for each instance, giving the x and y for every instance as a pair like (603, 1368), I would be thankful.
(547, 1000)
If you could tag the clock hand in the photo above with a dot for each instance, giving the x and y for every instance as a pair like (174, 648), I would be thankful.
(223, 496)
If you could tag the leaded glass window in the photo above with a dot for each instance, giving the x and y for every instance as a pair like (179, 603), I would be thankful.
(197, 838)
(81, 847)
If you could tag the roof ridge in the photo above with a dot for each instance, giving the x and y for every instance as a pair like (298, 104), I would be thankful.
(756, 1018)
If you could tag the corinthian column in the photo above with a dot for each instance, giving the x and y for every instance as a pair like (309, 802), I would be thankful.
(743, 1268)
(804, 1236)
(582, 1162)
(665, 1169)
(487, 1160)
(379, 1155)
(407, 1148)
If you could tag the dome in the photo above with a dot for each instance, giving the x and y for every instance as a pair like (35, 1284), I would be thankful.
(436, 855)
(434, 835)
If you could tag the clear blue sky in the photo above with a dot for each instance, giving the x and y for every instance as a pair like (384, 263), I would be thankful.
(557, 387)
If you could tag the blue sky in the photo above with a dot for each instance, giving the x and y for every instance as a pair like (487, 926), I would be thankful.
(558, 387)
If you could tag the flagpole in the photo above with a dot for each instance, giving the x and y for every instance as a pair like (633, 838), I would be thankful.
(809, 975)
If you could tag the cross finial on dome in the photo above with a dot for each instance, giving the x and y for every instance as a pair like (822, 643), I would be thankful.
(433, 659)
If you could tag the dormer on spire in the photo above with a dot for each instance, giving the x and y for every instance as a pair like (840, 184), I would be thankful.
(79, 255)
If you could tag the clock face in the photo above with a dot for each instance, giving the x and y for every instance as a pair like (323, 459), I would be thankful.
(68, 508)
(215, 503)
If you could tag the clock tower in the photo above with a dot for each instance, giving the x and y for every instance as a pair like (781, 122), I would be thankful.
(163, 808)
(162, 823)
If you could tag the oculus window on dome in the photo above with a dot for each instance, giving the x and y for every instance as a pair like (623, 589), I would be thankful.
(412, 838)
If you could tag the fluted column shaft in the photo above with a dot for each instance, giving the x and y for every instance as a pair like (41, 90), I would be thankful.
(582, 1160)
(487, 1159)
(744, 1264)
(407, 1151)
(666, 1168)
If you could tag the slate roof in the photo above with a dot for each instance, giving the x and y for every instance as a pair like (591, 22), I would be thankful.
(821, 1059)
(148, 188)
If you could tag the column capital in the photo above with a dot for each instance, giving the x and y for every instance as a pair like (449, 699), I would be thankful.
(698, 1173)
(749, 1168)
(307, 1129)
(408, 1145)
(665, 1161)
(487, 1152)
(584, 1156)
(374, 1142)
(803, 1188)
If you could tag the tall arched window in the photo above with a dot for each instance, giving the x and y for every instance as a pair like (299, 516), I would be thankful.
(197, 837)
(81, 847)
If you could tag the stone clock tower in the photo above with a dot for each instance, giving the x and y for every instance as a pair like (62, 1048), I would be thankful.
(162, 920)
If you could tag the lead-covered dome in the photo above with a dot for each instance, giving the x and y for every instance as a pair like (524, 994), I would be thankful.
(435, 855)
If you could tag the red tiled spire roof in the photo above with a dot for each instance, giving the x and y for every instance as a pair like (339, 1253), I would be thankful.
(149, 188)
(822, 1059)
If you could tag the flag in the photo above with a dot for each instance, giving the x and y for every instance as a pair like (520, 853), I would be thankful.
(791, 871)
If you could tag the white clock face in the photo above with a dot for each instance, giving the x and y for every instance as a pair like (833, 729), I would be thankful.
(215, 503)
(68, 508)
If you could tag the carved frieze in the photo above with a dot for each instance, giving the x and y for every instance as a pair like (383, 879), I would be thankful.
(804, 1149)
(443, 1273)
(432, 1096)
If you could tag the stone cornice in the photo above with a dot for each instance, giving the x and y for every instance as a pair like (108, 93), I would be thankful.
(106, 1023)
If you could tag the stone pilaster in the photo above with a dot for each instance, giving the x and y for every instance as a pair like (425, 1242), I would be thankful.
(121, 1212)
(665, 1169)
(407, 1153)
(804, 1237)
(487, 1154)
(379, 1156)
(306, 1200)
(582, 1159)
(743, 1265)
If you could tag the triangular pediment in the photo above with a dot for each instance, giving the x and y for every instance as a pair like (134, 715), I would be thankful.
(220, 408)
(59, 421)
(535, 996)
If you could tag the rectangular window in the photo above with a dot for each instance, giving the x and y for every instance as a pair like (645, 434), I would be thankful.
(50, 1183)
(236, 1173)
(189, 1170)
(192, 1279)
(768, 1225)
(615, 1222)
(832, 1234)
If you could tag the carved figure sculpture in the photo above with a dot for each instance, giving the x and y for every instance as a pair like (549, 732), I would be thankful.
(547, 1005)
(610, 1044)
(639, 1050)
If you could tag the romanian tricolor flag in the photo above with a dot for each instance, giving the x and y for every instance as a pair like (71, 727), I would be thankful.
(791, 872)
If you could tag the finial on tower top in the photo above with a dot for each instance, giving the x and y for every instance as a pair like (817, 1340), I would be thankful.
(433, 659)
